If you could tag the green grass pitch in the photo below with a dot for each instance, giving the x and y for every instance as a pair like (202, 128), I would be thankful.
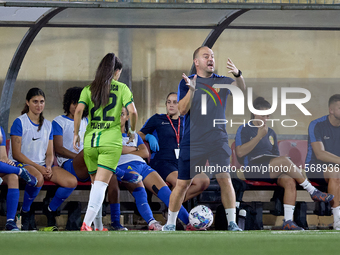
(180, 242)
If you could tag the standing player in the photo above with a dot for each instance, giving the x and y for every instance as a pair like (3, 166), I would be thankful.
(323, 157)
(32, 147)
(196, 146)
(63, 131)
(257, 140)
(164, 133)
(68, 157)
(104, 98)
(132, 161)
(10, 174)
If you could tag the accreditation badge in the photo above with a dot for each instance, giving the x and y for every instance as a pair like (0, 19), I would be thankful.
(177, 153)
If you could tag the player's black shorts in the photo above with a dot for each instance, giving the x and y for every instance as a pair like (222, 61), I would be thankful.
(258, 172)
(194, 161)
(164, 167)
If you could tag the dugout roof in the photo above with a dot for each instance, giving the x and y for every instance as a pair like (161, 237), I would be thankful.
(215, 17)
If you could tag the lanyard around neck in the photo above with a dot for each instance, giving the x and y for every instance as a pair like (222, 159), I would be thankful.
(179, 128)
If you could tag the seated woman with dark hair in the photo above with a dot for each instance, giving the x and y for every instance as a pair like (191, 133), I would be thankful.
(256, 145)
(32, 148)
(63, 127)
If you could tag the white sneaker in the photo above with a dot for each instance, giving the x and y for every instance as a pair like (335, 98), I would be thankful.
(169, 227)
(336, 225)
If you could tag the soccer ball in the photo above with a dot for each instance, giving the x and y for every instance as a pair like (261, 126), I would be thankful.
(201, 217)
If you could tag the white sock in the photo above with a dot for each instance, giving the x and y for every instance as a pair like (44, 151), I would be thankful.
(288, 211)
(98, 222)
(172, 217)
(97, 196)
(231, 214)
(336, 213)
(308, 186)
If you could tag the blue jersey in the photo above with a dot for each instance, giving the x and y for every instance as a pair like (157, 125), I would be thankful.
(321, 130)
(198, 129)
(3, 143)
(160, 126)
(267, 145)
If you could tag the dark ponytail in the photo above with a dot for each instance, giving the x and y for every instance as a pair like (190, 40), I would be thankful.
(32, 93)
(100, 87)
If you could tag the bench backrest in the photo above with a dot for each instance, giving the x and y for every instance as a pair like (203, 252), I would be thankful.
(295, 149)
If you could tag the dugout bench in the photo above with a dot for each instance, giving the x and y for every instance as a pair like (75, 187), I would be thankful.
(297, 151)
(128, 208)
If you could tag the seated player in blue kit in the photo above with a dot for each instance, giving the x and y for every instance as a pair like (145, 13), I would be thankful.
(32, 148)
(9, 172)
(323, 158)
(256, 145)
(63, 126)
(132, 161)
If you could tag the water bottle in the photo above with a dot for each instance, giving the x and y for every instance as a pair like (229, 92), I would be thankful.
(242, 219)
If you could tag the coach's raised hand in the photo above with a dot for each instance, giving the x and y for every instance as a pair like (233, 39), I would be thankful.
(239, 81)
(191, 83)
(232, 67)
(185, 103)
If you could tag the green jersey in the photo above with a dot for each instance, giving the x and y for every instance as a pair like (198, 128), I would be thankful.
(103, 128)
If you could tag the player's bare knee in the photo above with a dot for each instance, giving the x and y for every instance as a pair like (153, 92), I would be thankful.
(113, 189)
(204, 183)
(282, 160)
(224, 181)
(11, 180)
(335, 180)
(71, 183)
(40, 179)
(182, 185)
(288, 183)
(172, 183)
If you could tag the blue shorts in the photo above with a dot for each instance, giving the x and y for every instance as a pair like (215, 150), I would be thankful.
(188, 166)
(142, 168)
(19, 164)
(164, 167)
(68, 166)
